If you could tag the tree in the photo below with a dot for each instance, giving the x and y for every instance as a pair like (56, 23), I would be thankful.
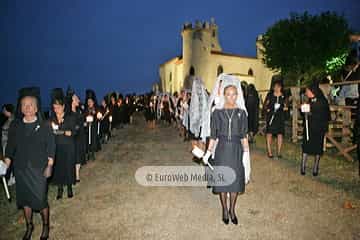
(307, 46)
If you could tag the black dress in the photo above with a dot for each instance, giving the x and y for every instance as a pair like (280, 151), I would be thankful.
(252, 106)
(104, 123)
(166, 111)
(65, 158)
(150, 113)
(275, 120)
(29, 147)
(229, 152)
(80, 138)
(95, 145)
(318, 121)
(114, 112)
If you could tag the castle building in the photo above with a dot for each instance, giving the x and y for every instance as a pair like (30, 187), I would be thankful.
(202, 56)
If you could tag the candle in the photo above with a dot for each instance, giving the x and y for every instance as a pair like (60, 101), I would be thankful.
(54, 126)
(89, 118)
(89, 134)
(99, 115)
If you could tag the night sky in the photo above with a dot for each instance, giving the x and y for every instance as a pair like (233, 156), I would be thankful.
(116, 45)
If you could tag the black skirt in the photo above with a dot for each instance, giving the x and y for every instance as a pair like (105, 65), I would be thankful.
(64, 167)
(31, 188)
(277, 124)
(80, 148)
(315, 144)
(229, 154)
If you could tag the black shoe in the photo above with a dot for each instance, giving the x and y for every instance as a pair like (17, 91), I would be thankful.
(315, 173)
(29, 230)
(270, 155)
(279, 156)
(302, 171)
(69, 191)
(45, 232)
(77, 180)
(234, 219)
(225, 219)
(60, 193)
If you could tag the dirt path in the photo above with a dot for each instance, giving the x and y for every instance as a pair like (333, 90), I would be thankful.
(110, 204)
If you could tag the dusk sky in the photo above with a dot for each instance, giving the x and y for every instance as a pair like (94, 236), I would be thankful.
(118, 45)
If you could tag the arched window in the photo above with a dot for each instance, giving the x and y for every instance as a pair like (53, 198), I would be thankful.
(250, 72)
(170, 77)
(220, 70)
(192, 71)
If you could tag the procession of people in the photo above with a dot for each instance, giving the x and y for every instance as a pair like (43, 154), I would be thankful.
(39, 150)
(221, 125)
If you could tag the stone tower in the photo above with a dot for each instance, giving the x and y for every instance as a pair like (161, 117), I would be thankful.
(198, 42)
(259, 48)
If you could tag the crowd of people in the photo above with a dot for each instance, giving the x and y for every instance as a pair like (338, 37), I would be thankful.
(223, 124)
(41, 148)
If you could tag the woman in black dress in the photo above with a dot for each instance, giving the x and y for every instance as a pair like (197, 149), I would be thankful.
(274, 108)
(80, 138)
(229, 127)
(166, 112)
(318, 121)
(91, 111)
(114, 110)
(65, 129)
(31, 147)
(150, 111)
(252, 105)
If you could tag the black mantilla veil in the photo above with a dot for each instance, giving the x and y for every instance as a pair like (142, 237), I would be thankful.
(315, 89)
(58, 97)
(69, 99)
(29, 92)
(90, 94)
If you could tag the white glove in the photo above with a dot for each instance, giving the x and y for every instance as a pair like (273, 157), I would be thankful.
(247, 165)
(3, 168)
(206, 157)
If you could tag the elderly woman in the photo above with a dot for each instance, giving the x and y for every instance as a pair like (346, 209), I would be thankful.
(31, 148)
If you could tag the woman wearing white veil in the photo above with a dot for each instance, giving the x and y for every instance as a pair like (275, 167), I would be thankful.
(228, 128)
(198, 110)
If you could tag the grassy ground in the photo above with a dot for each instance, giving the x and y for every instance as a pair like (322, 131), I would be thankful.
(335, 170)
